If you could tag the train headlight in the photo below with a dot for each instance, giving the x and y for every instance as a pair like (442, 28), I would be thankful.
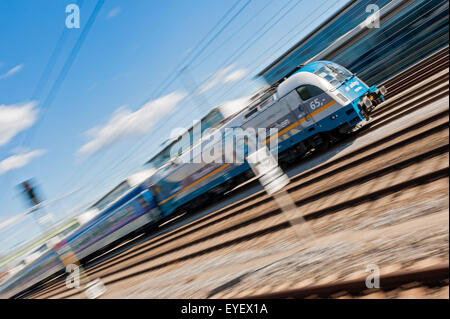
(367, 102)
(383, 90)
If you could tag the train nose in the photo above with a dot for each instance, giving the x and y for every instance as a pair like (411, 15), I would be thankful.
(365, 105)
(367, 102)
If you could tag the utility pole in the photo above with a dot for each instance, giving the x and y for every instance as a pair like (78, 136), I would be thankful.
(93, 289)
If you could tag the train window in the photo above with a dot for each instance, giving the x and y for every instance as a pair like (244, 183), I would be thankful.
(251, 112)
(160, 159)
(265, 103)
(307, 92)
(333, 73)
(143, 202)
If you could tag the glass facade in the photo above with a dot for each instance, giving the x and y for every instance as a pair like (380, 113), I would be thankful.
(416, 30)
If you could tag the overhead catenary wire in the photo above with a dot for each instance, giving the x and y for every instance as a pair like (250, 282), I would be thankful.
(256, 37)
(67, 66)
(158, 90)
(218, 33)
(43, 79)
(233, 34)
(272, 17)
(255, 65)
(199, 54)
(161, 90)
(253, 35)
(233, 87)
(63, 72)
(171, 77)
(143, 141)
(291, 29)
(204, 49)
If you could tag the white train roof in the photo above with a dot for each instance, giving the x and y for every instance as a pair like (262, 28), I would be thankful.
(302, 78)
(140, 177)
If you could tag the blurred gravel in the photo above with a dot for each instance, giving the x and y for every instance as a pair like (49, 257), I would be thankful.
(345, 257)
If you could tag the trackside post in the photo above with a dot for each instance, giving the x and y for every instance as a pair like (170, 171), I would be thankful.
(273, 179)
(93, 289)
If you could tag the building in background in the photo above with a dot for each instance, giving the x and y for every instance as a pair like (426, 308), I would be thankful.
(408, 31)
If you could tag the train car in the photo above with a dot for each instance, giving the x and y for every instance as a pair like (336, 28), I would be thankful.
(213, 119)
(308, 107)
(175, 172)
(314, 105)
(131, 210)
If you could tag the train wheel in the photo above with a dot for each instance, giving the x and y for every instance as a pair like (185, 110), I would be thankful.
(323, 146)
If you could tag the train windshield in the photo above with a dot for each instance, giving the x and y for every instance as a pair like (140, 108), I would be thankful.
(333, 73)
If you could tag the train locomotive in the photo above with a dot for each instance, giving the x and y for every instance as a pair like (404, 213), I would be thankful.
(314, 104)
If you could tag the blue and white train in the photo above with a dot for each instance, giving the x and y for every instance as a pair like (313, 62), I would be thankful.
(317, 103)
(314, 105)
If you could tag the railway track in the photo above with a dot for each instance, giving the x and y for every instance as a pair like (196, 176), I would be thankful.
(266, 215)
(439, 92)
(164, 250)
(428, 67)
(399, 284)
(260, 222)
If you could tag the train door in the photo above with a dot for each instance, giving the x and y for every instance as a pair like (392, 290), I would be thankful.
(294, 103)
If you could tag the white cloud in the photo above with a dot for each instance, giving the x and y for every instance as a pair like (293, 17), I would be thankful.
(216, 79)
(18, 160)
(15, 118)
(113, 13)
(235, 76)
(12, 71)
(237, 104)
(124, 123)
(11, 221)
(223, 76)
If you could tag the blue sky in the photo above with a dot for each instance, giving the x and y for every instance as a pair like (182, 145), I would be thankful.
(108, 118)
